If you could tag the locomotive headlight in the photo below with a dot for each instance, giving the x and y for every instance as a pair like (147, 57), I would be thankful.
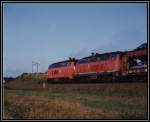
(130, 71)
(74, 67)
(145, 70)
(59, 71)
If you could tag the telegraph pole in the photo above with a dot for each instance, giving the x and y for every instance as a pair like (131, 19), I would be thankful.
(32, 66)
(35, 64)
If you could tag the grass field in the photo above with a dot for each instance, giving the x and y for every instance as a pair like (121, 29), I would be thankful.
(28, 100)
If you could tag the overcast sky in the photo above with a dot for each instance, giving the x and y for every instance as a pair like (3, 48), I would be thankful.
(51, 32)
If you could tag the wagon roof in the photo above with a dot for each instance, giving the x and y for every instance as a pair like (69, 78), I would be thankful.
(142, 46)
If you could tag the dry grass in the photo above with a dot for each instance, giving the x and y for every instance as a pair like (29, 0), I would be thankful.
(76, 101)
(41, 107)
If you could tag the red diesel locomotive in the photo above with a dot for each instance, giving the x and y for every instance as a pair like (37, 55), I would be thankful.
(61, 70)
(112, 66)
(99, 65)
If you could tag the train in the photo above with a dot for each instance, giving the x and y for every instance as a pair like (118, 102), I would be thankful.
(110, 66)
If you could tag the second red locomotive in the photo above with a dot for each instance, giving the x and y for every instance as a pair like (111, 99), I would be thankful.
(99, 65)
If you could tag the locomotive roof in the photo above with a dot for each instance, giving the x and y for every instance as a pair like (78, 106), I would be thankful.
(65, 61)
(96, 55)
(104, 54)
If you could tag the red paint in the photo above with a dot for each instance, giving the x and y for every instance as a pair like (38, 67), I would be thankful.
(111, 65)
(61, 72)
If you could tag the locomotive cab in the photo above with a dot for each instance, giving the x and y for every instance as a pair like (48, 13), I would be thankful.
(61, 70)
